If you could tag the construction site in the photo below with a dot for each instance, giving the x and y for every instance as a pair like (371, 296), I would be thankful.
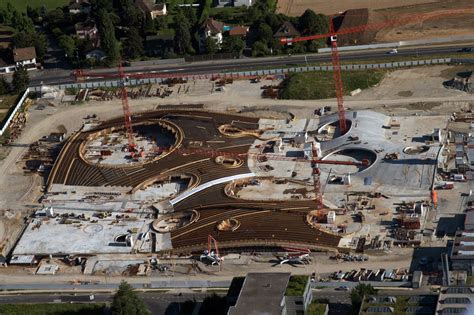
(193, 179)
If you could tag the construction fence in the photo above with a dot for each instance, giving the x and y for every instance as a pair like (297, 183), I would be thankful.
(254, 73)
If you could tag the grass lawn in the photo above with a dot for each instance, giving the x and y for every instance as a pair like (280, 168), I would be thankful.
(21, 5)
(296, 285)
(316, 309)
(53, 309)
(320, 85)
(6, 102)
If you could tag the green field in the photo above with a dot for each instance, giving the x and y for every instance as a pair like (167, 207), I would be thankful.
(320, 85)
(52, 309)
(21, 5)
(6, 102)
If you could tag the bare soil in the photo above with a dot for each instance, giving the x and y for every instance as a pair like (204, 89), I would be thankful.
(385, 10)
(297, 7)
(447, 25)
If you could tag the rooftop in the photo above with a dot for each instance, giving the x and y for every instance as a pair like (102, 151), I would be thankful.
(287, 30)
(213, 26)
(239, 31)
(262, 293)
(21, 54)
(150, 5)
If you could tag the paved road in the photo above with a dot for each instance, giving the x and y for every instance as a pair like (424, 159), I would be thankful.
(58, 76)
(158, 303)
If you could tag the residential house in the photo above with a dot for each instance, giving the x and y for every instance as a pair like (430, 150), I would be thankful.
(224, 3)
(154, 8)
(79, 6)
(25, 57)
(287, 30)
(242, 3)
(211, 28)
(239, 31)
(86, 30)
(233, 3)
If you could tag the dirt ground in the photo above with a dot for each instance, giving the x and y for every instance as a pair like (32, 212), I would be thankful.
(387, 10)
(297, 7)
(402, 92)
(446, 25)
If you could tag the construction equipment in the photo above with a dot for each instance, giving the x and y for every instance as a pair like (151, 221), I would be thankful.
(391, 156)
(210, 255)
(296, 256)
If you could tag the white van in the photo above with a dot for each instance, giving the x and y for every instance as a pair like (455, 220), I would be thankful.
(458, 177)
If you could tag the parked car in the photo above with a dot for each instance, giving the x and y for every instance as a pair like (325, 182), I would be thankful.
(342, 288)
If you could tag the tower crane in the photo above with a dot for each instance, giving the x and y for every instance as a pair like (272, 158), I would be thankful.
(333, 34)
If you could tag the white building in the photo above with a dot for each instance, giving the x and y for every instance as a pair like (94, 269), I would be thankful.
(25, 57)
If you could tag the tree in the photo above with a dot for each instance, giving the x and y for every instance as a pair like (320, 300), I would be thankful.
(233, 45)
(265, 33)
(149, 27)
(107, 37)
(68, 44)
(134, 44)
(4, 87)
(259, 49)
(126, 302)
(358, 293)
(6, 15)
(190, 15)
(182, 37)
(129, 14)
(20, 80)
(211, 46)
(313, 23)
(314, 45)
(213, 304)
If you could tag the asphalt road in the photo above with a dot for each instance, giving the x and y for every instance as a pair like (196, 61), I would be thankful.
(158, 303)
(61, 76)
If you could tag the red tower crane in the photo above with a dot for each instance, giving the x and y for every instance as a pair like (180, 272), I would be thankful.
(336, 66)
(126, 109)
